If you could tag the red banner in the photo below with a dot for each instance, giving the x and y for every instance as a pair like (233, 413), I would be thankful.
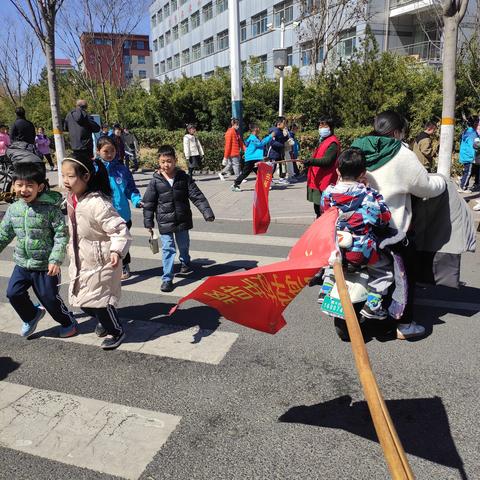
(261, 212)
(257, 298)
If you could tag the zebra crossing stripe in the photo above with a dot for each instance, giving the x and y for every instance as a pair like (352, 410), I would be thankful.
(193, 344)
(105, 437)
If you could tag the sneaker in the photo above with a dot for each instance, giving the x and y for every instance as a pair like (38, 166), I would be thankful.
(409, 330)
(100, 330)
(464, 190)
(222, 178)
(477, 206)
(69, 331)
(167, 286)
(324, 291)
(28, 328)
(234, 188)
(283, 181)
(475, 188)
(186, 269)
(244, 180)
(292, 180)
(113, 341)
(125, 272)
(373, 307)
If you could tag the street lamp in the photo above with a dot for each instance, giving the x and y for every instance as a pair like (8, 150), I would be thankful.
(280, 58)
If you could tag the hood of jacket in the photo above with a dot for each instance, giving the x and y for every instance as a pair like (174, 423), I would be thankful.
(50, 198)
(378, 150)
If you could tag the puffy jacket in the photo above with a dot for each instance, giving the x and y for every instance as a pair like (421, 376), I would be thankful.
(123, 188)
(255, 147)
(467, 151)
(4, 143)
(80, 126)
(172, 203)
(233, 143)
(41, 232)
(42, 142)
(276, 150)
(96, 231)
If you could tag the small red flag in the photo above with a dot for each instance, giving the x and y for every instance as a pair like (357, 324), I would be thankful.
(261, 212)
(256, 298)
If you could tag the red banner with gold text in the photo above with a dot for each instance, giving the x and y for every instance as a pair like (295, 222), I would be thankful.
(261, 212)
(257, 298)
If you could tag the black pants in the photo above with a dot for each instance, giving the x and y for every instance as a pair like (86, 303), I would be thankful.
(317, 210)
(127, 259)
(48, 158)
(248, 168)
(107, 317)
(46, 290)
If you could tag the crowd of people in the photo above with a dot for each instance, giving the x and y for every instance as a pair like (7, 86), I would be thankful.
(372, 183)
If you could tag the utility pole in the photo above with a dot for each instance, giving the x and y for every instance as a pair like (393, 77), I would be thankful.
(235, 65)
(282, 73)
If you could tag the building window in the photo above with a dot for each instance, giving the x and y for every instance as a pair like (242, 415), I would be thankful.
(208, 46)
(156, 69)
(162, 66)
(141, 59)
(140, 45)
(166, 10)
(176, 60)
(196, 52)
(195, 20)
(283, 10)
(209, 74)
(168, 37)
(346, 45)
(103, 41)
(142, 73)
(155, 45)
(186, 56)
(128, 74)
(127, 44)
(260, 66)
(160, 15)
(259, 23)
(174, 5)
(289, 56)
(222, 40)
(243, 31)
(222, 5)
(154, 20)
(184, 27)
(127, 59)
(169, 63)
(175, 32)
(306, 51)
(161, 41)
(207, 12)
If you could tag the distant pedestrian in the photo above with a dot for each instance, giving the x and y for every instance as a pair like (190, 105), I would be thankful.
(42, 144)
(116, 136)
(168, 197)
(322, 168)
(22, 130)
(4, 141)
(468, 149)
(105, 132)
(295, 152)
(131, 148)
(276, 148)
(233, 148)
(253, 154)
(123, 189)
(423, 146)
(99, 239)
(192, 149)
(42, 236)
(81, 127)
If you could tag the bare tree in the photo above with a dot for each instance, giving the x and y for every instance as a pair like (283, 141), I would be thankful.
(322, 23)
(453, 13)
(112, 20)
(19, 66)
(40, 16)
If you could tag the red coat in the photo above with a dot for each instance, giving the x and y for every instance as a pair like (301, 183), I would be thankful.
(319, 178)
(233, 143)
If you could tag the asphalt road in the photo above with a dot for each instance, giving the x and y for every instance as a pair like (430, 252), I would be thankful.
(287, 406)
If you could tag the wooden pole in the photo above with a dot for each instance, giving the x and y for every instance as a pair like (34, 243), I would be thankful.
(387, 435)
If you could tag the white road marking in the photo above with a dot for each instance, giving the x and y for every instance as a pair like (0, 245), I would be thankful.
(106, 437)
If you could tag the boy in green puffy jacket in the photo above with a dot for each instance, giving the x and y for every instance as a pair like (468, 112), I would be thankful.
(42, 237)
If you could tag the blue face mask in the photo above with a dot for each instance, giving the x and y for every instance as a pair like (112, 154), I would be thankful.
(324, 132)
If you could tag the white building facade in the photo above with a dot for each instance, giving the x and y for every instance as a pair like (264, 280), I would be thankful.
(190, 37)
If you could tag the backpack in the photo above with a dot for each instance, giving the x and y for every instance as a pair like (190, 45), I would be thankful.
(22, 152)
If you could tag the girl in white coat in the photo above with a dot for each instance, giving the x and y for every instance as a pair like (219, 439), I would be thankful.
(192, 149)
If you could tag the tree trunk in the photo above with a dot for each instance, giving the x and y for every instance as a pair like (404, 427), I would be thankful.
(49, 47)
(447, 130)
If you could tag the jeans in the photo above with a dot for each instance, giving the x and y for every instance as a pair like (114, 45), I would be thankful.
(232, 163)
(182, 239)
(46, 290)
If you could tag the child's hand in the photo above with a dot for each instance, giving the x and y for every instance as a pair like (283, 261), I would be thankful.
(139, 205)
(150, 231)
(53, 270)
(114, 259)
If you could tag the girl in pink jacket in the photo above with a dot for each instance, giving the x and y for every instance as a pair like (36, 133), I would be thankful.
(4, 141)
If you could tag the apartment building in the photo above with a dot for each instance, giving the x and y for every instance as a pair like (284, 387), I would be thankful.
(190, 37)
(116, 58)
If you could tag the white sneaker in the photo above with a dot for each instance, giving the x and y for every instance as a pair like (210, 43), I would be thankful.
(222, 178)
(477, 206)
(409, 330)
(244, 180)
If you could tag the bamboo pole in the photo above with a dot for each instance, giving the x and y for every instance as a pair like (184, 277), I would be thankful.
(387, 435)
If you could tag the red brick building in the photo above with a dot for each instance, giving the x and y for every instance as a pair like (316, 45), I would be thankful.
(116, 58)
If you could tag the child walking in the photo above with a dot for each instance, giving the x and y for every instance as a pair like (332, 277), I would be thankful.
(4, 142)
(99, 239)
(123, 188)
(168, 195)
(42, 143)
(42, 237)
(361, 209)
(192, 149)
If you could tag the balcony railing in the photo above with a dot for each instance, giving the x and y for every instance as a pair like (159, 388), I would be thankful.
(429, 52)
(402, 3)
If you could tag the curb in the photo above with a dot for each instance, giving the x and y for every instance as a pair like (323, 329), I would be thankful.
(278, 220)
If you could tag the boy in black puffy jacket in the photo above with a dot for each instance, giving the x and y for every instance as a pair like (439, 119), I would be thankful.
(168, 195)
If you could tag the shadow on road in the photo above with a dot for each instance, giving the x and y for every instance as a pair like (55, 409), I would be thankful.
(7, 366)
(422, 425)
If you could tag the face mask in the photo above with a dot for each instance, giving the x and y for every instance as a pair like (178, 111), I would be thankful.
(324, 132)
